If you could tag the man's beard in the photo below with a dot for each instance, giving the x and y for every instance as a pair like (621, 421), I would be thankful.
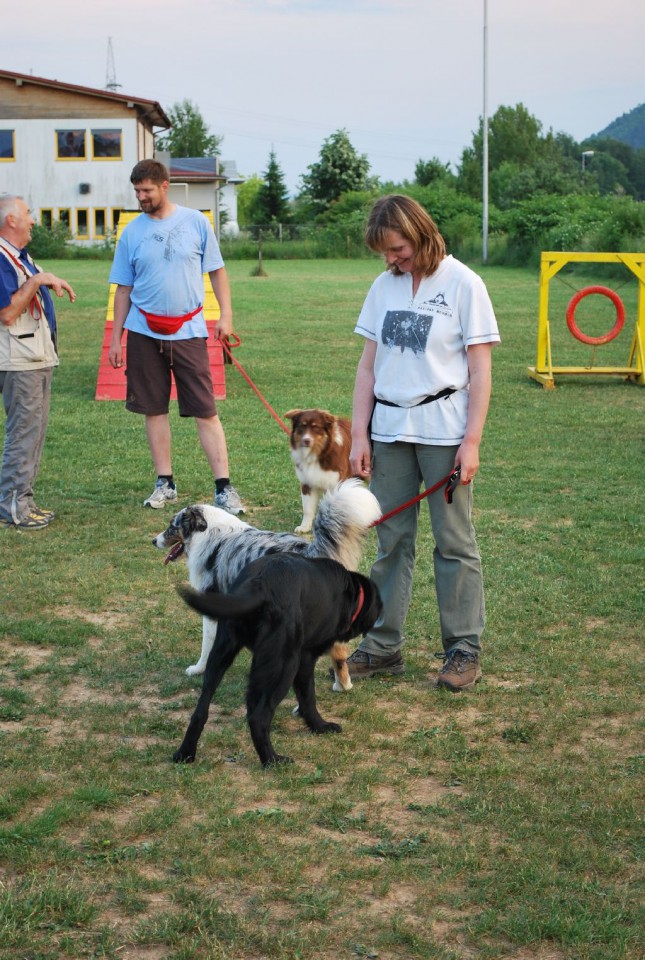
(149, 207)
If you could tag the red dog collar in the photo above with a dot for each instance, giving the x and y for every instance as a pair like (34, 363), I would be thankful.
(361, 601)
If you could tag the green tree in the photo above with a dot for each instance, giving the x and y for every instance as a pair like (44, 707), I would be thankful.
(522, 161)
(511, 182)
(246, 194)
(339, 169)
(271, 203)
(627, 177)
(637, 173)
(189, 135)
(515, 137)
(431, 171)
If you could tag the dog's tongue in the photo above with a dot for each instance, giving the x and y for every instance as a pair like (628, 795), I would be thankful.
(174, 553)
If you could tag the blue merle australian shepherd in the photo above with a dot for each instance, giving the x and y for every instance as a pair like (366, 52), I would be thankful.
(218, 546)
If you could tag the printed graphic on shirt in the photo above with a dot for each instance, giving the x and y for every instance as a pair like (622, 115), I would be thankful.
(406, 329)
(439, 304)
(174, 239)
(171, 240)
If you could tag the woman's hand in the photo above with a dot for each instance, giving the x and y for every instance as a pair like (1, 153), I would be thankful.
(360, 457)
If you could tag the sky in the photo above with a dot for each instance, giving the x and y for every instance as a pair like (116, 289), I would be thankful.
(403, 77)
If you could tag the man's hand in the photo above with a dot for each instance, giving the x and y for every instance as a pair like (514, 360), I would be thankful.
(59, 286)
(121, 309)
(115, 355)
(223, 327)
(24, 295)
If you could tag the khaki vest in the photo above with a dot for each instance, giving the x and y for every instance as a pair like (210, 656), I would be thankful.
(27, 343)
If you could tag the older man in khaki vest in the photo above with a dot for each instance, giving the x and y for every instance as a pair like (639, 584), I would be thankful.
(27, 359)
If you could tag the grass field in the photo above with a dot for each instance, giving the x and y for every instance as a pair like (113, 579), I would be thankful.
(505, 823)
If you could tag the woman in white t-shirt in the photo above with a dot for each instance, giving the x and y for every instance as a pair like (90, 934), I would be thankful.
(420, 402)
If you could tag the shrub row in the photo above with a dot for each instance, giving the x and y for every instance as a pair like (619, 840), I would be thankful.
(516, 236)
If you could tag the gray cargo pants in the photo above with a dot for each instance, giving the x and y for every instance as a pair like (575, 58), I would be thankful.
(26, 395)
(398, 470)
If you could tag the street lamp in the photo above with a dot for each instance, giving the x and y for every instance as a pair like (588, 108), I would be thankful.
(585, 154)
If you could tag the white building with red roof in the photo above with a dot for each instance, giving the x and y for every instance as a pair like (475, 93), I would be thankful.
(69, 151)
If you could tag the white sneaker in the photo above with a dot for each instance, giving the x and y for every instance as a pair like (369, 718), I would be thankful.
(229, 500)
(163, 493)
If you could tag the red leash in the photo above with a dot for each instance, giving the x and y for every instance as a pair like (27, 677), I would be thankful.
(450, 482)
(227, 347)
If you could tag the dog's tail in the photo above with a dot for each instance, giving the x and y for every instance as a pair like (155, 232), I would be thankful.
(345, 515)
(218, 606)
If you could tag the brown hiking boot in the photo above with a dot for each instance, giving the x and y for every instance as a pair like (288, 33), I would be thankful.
(362, 665)
(460, 671)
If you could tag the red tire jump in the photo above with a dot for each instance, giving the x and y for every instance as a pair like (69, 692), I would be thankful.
(615, 330)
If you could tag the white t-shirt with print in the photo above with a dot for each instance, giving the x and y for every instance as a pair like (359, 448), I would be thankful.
(422, 342)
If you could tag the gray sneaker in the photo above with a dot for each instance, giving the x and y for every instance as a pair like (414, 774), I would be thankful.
(162, 494)
(229, 500)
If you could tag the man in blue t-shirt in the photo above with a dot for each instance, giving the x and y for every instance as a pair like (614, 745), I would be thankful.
(27, 360)
(158, 268)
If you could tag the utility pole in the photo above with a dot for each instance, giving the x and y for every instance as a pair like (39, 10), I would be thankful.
(485, 144)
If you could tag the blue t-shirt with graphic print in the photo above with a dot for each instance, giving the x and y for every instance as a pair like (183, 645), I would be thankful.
(164, 262)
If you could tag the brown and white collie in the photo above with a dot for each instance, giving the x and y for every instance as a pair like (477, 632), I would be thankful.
(320, 445)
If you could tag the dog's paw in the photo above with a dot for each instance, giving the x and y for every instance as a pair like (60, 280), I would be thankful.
(303, 528)
(337, 687)
(277, 760)
(329, 727)
(195, 670)
(182, 756)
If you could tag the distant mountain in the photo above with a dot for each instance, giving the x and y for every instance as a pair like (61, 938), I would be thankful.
(630, 128)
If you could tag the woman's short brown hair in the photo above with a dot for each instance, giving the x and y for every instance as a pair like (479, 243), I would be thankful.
(412, 221)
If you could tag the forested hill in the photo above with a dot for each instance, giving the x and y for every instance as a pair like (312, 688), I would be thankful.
(630, 128)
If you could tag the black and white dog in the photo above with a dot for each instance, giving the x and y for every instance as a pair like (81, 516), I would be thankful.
(219, 546)
(287, 610)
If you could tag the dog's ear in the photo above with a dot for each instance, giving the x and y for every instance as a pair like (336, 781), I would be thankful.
(292, 415)
(193, 520)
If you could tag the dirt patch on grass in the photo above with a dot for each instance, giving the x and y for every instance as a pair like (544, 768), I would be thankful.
(27, 655)
(107, 619)
(399, 898)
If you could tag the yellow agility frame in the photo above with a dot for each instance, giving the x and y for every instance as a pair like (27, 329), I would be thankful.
(550, 264)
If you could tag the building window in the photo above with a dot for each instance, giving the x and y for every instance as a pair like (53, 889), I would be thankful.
(106, 145)
(100, 223)
(46, 218)
(82, 227)
(64, 216)
(7, 150)
(70, 145)
(116, 212)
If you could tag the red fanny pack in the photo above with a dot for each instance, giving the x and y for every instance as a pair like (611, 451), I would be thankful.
(168, 325)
